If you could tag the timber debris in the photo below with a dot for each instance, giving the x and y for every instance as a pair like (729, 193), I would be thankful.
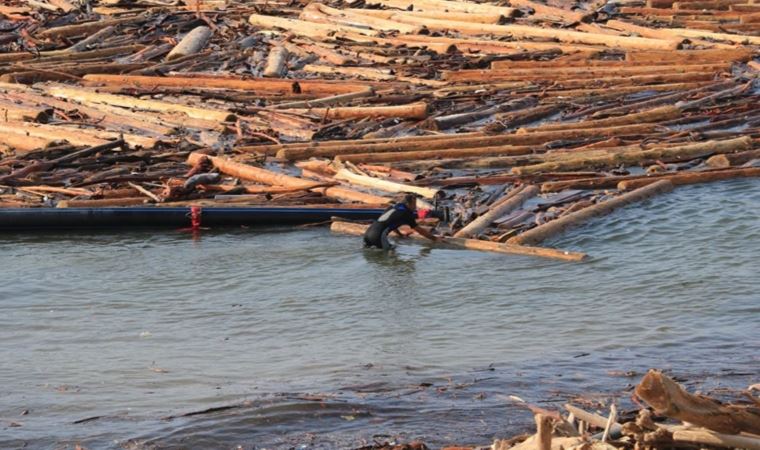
(520, 118)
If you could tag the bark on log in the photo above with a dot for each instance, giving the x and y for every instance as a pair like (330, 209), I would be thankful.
(385, 157)
(732, 159)
(556, 226)
(411, 111)
(251, 173)
(660, 114)
(671, 400)
(689, 56)
(543, 431)
(473, 244)
(384, 185)
(683, 178)
(102, 203)
(499, 209)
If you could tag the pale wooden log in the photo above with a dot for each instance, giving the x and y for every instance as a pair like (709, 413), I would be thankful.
(628, 158)
(547, 12)
(671, 400)
(384, 185)
(63, 55)
(319, 31)
(441, 15)
(317, 12)
(707, 437)
(596, 420)
(732, 159)
(251, 173)
(370, 73)
(411, 111)
(75, 136)
(459, 141)
(524, 31)
(90, 97)
(285, 86)
(22, 143)
(600, 70)
(276, 61)
(325, 54)
(13, 112)
(448, 5)
(500, 209)
(671, 33)
(474, 45)
(557, 226)
(192, 43)
(473, 244)
(682, 178)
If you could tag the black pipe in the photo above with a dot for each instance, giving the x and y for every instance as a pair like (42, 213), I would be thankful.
(22, 219)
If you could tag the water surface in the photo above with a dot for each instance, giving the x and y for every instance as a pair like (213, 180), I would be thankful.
(319, 343)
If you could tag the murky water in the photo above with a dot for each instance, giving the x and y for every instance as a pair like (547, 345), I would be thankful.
(109, 339)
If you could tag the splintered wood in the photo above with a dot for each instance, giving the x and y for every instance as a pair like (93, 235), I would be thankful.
(515, 121)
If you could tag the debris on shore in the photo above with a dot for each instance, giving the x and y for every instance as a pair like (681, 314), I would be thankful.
(520, 118)
(673, 418)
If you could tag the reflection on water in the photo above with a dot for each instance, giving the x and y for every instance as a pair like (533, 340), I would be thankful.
(317, 341)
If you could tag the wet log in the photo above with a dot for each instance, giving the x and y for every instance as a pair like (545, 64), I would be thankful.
(283, 86)
(732, 159)
(251, 173)
(91, 97)
(276, 61)
(514, 200)
(682, 178)
(411, 111)
(459, 141)
(557, 226)
(630, 158)
(192, 43)
(671, 400)
(706, 437)
(384, 185)
(357, 229)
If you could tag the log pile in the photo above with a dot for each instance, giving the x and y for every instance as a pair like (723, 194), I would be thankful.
(670, 417)
(513, 116)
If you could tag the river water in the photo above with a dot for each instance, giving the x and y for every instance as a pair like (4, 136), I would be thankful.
(122, 340)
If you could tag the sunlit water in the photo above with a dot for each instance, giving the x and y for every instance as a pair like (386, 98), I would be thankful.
(319, 343)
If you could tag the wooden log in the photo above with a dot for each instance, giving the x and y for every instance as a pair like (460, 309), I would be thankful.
(192, 43)
(14, 112)
(544, 431)
(593, 419)
(682, 178)
(660, 114)
(705, 437)
(671, 400)
(251, 173)
(629, 158)
(528, 32)
(497, 210)
(75, 136)
(276, 61)
(357, 229)
(283, 86)
(85, 28)
(384, 185)
(673, 33)
(369, 73)
(689, 56)
(732, 159)
(102, 203)
(459, 141)
(325, 101)
(449, 5)
(557, 226)
(411, 111)
(91, 97)
(493, 18)
(318, 31)
(317, 12)
(385, 157)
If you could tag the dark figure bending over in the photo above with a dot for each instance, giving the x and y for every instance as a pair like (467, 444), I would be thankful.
(399, 214)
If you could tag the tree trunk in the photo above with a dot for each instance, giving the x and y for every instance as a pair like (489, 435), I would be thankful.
(384, 185)
(682, 178)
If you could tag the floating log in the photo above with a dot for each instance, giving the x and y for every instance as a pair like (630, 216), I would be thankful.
(555, 227)
(671, 400)
(682, 178)
(384, 185)
(732, 159)
(251, 173)
(357, 229)
(499, 209)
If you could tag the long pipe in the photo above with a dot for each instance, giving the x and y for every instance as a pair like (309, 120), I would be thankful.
(29, 219)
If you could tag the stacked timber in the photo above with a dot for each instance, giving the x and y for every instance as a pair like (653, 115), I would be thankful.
(521, 119)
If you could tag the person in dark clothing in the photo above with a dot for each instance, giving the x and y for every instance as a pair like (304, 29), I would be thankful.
(403, 213)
